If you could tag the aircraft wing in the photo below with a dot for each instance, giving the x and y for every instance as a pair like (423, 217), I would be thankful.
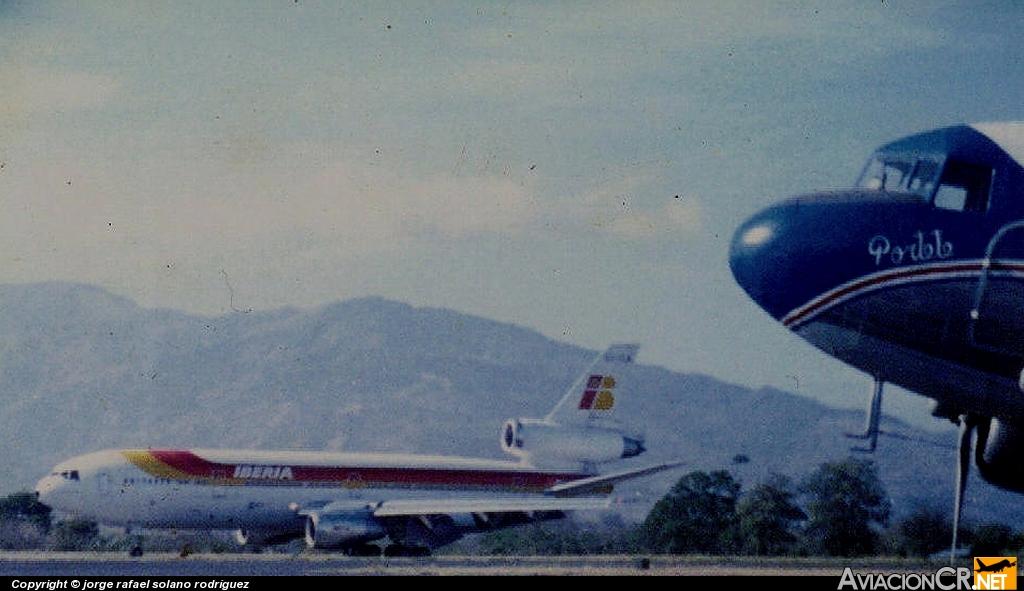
(601, 481)
(413, 507)
(436, 521)
(569, 496)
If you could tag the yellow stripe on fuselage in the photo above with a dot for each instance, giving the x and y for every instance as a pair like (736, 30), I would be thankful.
(146, 462)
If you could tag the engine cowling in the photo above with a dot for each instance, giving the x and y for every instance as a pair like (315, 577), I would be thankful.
(336, 530)
(1002, 459)
(543, 443)
(259, 539)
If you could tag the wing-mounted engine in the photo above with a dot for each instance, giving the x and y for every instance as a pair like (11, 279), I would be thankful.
(337, 526)
(1000, 454)
(541, 443)
(259, 539)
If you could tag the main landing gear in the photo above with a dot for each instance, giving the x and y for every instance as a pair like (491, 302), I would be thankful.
(974, 432)
(970, 425)
(874, 419)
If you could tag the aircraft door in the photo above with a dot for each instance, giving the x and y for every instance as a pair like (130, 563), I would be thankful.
(997, 317)
(105, 483)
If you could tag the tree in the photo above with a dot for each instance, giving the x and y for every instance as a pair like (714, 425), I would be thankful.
(847, 500)
(927, 531)
(991, 539)
(24, 521)
(76, 534)
(556, 537)
(697, 515)
(768, 518)
(24, 506)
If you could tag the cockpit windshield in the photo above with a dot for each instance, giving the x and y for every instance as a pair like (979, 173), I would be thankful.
(900, 174)
(950, 184)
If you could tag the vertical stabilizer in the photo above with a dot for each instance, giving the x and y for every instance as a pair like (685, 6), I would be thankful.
(595, 394)
(582, 429)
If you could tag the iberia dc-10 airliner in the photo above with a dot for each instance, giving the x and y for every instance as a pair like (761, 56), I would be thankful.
(345, 500)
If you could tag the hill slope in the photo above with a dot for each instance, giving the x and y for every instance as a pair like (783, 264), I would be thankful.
(81, 369)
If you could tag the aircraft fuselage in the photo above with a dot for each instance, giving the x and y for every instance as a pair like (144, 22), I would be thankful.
(915, 276)
(227, 489)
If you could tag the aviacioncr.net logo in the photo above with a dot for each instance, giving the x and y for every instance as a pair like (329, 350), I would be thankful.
(995, 572)
(946, 578)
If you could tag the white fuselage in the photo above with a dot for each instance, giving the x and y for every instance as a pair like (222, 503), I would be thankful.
(229, 489)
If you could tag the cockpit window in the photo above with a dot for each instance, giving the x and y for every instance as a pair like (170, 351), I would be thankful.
(885, 175)
(900, 174)
(964, 187)
(922, 180)
(68, 474)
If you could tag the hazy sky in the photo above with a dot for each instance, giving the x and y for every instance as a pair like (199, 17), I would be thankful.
(575, 168)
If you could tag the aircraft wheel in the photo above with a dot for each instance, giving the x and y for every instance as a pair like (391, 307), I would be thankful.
(363, 550)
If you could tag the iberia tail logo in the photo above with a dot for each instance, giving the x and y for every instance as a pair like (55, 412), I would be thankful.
(598, 393)
(998, 572)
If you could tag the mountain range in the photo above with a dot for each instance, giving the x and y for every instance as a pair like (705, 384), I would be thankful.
(82, 369)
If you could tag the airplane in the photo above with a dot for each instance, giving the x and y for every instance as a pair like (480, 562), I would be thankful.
(916, 277)
(995, 567)
(346, 501)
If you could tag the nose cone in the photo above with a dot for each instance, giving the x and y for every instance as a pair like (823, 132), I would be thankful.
(801, 248)
(793, 251)
(45, 489)
(59, 490)
(760, 260)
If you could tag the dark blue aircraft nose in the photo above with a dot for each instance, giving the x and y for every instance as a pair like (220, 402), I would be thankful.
(760, 260)
(781, 255)
(790, 253)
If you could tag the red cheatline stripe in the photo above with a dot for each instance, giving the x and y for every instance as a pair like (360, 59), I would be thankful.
(878, 281)
(184, 464)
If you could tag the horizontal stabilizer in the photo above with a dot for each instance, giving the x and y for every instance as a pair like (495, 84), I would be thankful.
(596, 483)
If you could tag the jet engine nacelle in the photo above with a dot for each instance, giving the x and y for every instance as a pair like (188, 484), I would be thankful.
(336, 530)
(1002, 459)
(547, 443)
(259, 539)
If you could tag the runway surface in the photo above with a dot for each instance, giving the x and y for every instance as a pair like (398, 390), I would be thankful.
(104, 564)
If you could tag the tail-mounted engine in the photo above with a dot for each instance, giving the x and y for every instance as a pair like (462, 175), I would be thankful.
(545, 443)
